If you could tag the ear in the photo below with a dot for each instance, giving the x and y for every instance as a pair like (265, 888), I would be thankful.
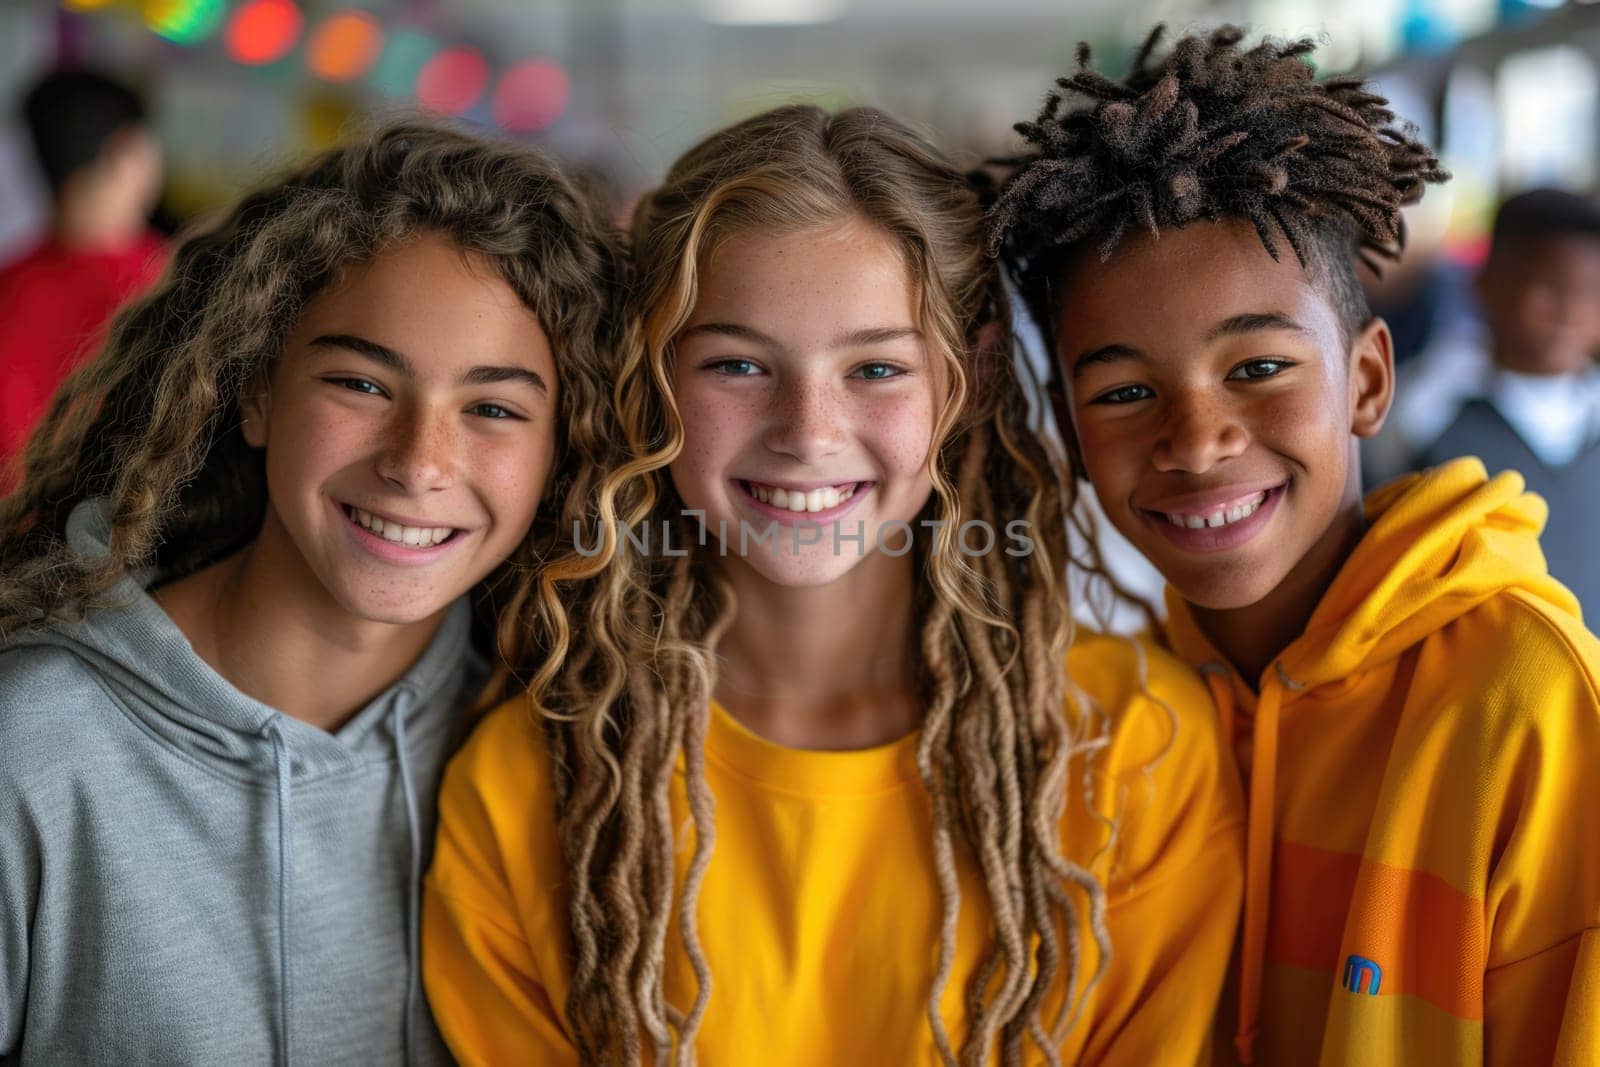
(255, 407)
(1371, 378)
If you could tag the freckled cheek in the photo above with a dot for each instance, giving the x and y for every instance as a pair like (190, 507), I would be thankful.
(1310, 426)
(899, 428)
(510, 475)
(1113, 455)
(716, 430)
(307, 446)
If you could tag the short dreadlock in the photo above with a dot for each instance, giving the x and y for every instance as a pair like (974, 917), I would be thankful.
(1214, 131)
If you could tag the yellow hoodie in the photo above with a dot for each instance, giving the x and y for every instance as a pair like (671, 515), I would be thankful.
(1423, 871)
(820, 912)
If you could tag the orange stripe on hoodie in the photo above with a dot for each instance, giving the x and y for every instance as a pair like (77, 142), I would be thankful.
(1416, 759)
(1431, 932)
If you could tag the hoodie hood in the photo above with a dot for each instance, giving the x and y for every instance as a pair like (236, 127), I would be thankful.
(1438, 545)
(179, 697)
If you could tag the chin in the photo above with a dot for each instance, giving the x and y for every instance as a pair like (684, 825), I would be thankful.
(394, 611)
(802, 572)
(1224, 591)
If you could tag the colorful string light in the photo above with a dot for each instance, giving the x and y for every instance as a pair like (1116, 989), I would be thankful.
(263, 31)
(345, 46)
(184, 21)
(531, 95)
(454, 80)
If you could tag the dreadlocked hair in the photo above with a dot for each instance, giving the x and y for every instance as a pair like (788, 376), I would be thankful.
(1210, 132)
(634, 698)
(152, 422)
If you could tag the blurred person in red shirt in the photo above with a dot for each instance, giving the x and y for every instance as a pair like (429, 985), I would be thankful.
(103, 169)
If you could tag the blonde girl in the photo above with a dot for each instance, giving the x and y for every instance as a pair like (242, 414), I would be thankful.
(818, 779)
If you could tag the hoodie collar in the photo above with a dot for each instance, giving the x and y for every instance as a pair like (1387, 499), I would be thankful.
(1438, 544)
(180, 697)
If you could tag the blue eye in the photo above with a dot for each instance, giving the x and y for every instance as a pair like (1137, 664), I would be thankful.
(1256, 369)
(734, 368)
(877, 372)
(1124, 394)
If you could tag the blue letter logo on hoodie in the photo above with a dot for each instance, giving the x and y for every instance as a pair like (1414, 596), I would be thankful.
(1358, 968)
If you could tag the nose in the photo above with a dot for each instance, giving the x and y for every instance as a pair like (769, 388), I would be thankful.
(807, 420)
(419, 450)
(1197, 433)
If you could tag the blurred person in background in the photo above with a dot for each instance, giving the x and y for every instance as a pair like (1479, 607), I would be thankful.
(1526, 397)
(102, 166)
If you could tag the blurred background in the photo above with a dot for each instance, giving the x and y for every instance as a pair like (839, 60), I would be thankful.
(1507, 87)
(1507, 90)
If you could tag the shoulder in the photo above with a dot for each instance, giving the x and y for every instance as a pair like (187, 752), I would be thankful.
(1150, 701)
(1530, 667)
(1157, 785)
(506, 746)
(497, 803)
(40, 684)
(49, 699)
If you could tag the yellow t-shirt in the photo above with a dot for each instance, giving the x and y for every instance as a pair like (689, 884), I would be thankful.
(819, 914)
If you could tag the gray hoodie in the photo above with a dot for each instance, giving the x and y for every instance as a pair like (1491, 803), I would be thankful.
(188, 876)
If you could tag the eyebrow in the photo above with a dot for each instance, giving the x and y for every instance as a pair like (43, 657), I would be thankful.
(870, 335)
(388, 357)
(1104, 354)
(1250, 322)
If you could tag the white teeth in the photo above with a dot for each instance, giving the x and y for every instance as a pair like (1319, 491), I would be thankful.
(412, 536)
(800, 501)
(1220, 517)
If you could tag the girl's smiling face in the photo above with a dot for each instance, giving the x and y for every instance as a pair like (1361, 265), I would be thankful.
(409, 428)
(808, 399)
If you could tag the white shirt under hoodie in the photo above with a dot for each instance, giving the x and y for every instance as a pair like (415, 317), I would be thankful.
(188, 876)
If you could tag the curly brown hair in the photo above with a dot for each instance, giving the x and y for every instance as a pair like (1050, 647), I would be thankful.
(1213, 130)
(633, 698)
(152, 423)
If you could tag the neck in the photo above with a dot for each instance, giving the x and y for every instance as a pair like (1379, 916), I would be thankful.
(264, 622)
(1252, 637)
(823, 667)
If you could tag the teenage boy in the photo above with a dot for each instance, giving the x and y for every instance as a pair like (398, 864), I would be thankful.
(1411, 696)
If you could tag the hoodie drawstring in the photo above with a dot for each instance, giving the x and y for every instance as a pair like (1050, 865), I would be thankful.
(280, 753)
(413, 886)
(1219, 679)
(1258, 856)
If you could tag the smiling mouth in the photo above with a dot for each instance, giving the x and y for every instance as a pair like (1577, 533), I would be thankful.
(395, 533)
(1226, 513)
(801, 501)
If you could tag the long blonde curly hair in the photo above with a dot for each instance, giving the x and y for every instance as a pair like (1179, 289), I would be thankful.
(631, 699)
(152, 423)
